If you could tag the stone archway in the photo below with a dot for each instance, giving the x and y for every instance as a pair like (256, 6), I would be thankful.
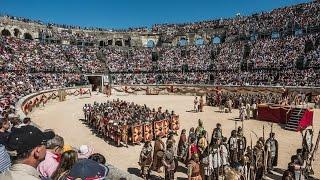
(183, 42)
(101, 43)
(150, 43)
(199, 41)
(216, 40)
(28, 36)
(5, 32)
(16, 32)
(118, 43)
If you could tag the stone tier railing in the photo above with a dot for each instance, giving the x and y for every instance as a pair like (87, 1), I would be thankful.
(191, 89)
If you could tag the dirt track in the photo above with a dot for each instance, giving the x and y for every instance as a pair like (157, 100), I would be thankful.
(64, 117)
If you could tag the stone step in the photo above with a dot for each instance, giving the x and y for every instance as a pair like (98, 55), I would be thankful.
(293, 123)
(290, 128)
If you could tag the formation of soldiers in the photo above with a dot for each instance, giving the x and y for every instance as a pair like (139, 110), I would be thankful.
(113, 119)
(221, 157)
(230, 158)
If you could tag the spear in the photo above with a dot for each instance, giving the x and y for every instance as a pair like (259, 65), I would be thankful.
(251, 158)
(263, 133)
(264, 152)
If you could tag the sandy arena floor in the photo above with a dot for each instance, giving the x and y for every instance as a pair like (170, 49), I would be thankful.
(64, 117)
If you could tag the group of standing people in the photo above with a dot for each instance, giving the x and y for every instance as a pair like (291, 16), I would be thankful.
(204, 159)
(198, 104)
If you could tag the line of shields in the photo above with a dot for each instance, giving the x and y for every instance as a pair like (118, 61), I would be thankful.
(135, 134)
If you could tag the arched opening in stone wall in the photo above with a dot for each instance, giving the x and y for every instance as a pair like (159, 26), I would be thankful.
(216, 40)
(5, 32)
(110, 42)
(127, 42)
(16, 32)
(275, 35)
(101, 43)
(150, 43)
(118, 43)
(28, 36)
(199, 41)
(182, 42)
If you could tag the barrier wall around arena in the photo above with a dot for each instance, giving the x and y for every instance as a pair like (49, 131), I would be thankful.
(26, 104)
(190, 89)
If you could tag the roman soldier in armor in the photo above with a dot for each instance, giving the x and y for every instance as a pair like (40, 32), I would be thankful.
(182, 146)
(244, 168)
(216, 159)
(168, 161)
(172, 141)
(145, 160)
(195, 104)
(242, 112)
(233, 147)
(307, 143)
(194, 168)
(192, 135)
(85, 109)
(193, 148)
(206, 166)
(248, 110)
(158, 154)
(251, 164)
(124, 134)
(202, 143)
(224, 152)
(271, 148)
(242, 142)
(200, 128)
(217, 132)
(259, 159)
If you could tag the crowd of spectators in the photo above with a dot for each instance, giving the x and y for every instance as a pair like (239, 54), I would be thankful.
(75, 27)
(38, 65)
(298, 16)
(309, 77)
(31, 56)
(14, 86)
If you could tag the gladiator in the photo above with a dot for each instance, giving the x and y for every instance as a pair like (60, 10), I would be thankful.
(271, 148)
(168, 161)
(233, 147)
(145, 160)
(194, 168)
(158, 154)
(182, 146)
(242, 142)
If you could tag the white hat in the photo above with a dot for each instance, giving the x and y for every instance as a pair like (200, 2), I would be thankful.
(85, 151)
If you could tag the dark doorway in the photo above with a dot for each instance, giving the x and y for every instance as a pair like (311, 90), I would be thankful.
(28, 36)
(96, 82)
(5, 32)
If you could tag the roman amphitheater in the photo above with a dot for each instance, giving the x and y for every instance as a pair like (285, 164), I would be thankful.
(259, 72)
